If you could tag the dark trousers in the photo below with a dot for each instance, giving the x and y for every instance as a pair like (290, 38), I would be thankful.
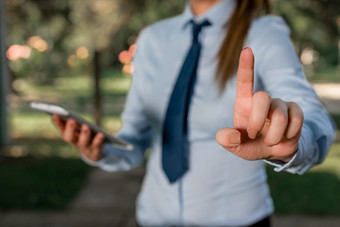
(262, 223)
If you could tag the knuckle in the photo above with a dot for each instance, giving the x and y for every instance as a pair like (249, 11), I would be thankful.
(230, 149)
(85, 129)
(280, 118)
(297, 121)
(296, 107)
(292, 104)
(279, 103)
(269, 142)
(262, 95)
(84, 134)
(277, 100)
(69, 123)
(297, 112)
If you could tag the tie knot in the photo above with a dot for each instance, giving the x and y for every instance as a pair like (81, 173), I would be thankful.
(196, 29)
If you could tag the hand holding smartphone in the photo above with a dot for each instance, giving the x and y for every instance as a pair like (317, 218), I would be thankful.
(67, 114)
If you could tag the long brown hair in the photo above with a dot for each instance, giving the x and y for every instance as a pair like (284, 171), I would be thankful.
(238, 25)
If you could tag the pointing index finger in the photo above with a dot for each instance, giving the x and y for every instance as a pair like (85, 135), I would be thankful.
(245, 75)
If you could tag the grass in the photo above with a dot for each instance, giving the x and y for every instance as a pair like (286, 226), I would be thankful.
(40, 176)
(24, 125)
(47, 175)
(314, 193)
(39, 170)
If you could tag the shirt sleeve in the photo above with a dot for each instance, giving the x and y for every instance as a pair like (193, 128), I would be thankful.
(136, 129)
(280, 74)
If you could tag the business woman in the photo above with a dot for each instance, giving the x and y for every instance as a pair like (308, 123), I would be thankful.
(217, 92)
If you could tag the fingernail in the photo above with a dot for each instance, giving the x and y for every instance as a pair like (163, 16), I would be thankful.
(85, 128)
(252, 134)
(246, 48)
(235, 138)
(101, 136)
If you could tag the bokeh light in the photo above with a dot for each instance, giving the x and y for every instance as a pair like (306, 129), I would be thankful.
(82, 52)
(309, 56)
(132, 49)
(38, 43)
(72, 60)
(16, 52)
(125, 57)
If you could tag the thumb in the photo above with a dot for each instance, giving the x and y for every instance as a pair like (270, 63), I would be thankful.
(229, 138)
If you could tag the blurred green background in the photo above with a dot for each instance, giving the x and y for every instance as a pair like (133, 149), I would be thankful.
(78, 53)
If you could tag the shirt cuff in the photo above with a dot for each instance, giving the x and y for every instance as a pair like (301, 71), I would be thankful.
(303, 158)
(289, 166)
(93, 163)
(106, 149)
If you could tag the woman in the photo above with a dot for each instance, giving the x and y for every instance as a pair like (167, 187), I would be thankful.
(269, 110)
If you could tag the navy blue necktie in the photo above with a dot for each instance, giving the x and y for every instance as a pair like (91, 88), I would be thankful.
(175, 140)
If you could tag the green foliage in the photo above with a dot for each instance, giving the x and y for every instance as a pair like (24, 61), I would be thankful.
(43, 184)
(313, 24)
(102, 25)
(336, 118)
(46, 19)
(112, 26)
(324, 74)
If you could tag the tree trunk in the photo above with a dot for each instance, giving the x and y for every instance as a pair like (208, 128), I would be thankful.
(97, 95)
(3, 79)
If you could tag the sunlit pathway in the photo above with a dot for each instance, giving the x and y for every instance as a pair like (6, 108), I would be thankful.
(329, 94)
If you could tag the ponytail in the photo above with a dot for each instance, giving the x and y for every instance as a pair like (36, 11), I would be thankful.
(238, 26)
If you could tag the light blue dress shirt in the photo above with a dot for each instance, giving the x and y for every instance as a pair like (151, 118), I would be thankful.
(220, 189)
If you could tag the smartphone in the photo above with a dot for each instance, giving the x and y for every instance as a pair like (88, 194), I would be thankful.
(66, 114)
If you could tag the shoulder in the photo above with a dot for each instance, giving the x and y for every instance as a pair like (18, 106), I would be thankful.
(160, 30)
(269, 25)
(269, 37)
(268, 31)
(270, 22)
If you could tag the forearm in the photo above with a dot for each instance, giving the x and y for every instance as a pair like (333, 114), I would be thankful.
(116, 159)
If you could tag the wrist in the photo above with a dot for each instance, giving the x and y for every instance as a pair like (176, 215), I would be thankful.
(287, 159)
(283, 159)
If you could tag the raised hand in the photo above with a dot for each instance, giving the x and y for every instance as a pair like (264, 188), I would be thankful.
(81, 137)
(264, 128)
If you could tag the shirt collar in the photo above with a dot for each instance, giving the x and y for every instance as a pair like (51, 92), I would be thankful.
(218, 15)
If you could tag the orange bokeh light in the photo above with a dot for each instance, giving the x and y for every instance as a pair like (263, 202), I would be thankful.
(38, 43)
(128, 68)
(132, 49)
(82, 52)
(124, 57)
(72, 60)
